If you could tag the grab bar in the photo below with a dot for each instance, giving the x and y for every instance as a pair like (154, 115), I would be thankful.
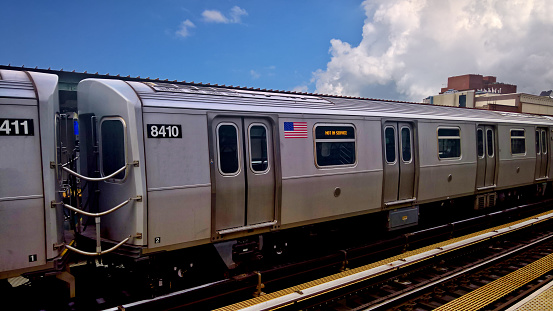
(99, 253)
(76, 210)
(96, 179)
(97, 220)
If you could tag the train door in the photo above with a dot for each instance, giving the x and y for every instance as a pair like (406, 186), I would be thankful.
(399, 162)
(541, 152)
(244, 172)
(485, 140)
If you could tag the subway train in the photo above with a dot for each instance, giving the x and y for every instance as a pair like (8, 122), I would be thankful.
(157, 168)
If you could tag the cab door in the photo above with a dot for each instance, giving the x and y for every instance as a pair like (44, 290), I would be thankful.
(243, 172)
(541, 152)
(399, 162)
(486, 156)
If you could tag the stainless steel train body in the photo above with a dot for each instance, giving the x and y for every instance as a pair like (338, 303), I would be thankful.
(213, 164)
(31, 230)
(187, 165)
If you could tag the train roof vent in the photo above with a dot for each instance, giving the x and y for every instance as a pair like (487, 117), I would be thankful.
(222, 91)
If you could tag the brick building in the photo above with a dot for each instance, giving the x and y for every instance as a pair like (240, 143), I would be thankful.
(484, 92)
(477, 83)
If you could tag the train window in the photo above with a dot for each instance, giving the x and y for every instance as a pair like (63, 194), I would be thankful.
(543, 142)
(480, 141)
(390, 137)
(334, 145)
(537, 142)
(406, 144)
(259, 160)
(227, 142)
(489, 140)
(113, 137)
(518, 142)
(449, 143)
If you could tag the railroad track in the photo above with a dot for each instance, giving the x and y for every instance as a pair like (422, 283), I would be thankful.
(241, 288)
(433, 276)
(454, 282)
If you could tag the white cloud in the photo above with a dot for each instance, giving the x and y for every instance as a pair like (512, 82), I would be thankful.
(184, 30)
(254, 74)
(214, 16)
(236, 14)
(410, 47)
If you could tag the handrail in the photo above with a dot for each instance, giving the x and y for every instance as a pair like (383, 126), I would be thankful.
(78, 251)
(76, 210)
(96, 179)
(67, 163)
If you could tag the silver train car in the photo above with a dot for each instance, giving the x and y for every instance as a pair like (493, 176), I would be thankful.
(171, 167)
(32, 231)
(214, 164)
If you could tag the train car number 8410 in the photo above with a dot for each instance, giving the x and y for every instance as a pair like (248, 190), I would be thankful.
(164, 131)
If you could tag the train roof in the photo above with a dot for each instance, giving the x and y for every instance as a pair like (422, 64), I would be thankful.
(156, 94)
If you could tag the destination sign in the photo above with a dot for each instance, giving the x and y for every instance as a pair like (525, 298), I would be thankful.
(335, 132)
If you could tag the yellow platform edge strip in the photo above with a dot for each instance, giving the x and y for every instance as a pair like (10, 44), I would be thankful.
(300, 287)
(493, 291)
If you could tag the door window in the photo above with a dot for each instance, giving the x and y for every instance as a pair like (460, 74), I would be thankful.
(390, 137)
(489, 139)
(406, 144)
(227, 143)
(259, 160)
(480, 139)
(543, 142)
(112, 131)
(537, 142)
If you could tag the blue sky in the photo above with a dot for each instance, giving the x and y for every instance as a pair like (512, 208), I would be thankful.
(274, 45)
(391, 49)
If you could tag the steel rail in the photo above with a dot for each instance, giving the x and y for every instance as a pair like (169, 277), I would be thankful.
(340, 280)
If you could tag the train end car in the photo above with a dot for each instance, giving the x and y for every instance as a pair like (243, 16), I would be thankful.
(32, 232)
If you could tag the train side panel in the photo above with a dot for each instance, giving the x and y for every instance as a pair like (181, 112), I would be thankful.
(31, 227)
(516, 167)
(177, 168)
(21, 196)
(311, 194)
(443, 176)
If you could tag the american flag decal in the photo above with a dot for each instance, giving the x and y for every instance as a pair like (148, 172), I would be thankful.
(295, 129)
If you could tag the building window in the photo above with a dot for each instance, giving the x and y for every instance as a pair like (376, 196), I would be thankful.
(449, 143)
(113, 136)
(334, 145)
(518, 142)
(462, 101)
